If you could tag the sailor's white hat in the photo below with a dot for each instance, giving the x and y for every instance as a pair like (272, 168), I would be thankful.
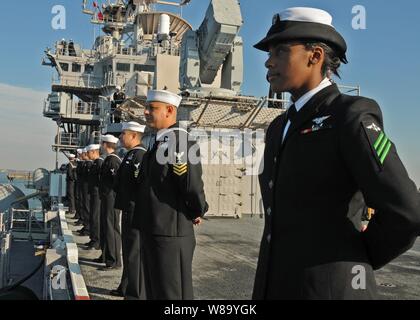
(79, 151)
(133, 126)
(303, 14)
(109, 138)
(93, 147)
(164, 96)
(72, 156)
(85, 149)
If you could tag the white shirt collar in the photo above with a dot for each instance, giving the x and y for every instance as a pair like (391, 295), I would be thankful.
(307, 96)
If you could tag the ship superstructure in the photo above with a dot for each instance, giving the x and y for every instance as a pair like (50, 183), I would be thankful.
(143, 48)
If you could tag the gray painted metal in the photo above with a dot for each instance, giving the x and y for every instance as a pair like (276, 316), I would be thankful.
(8, 195)
(57, 185)
(5, 243)
(215, 48)
(216, 36)
(41, 179)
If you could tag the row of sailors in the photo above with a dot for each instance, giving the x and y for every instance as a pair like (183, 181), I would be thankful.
(160, 204)
(99, 189)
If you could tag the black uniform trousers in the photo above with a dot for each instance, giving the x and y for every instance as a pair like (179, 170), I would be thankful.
(168, 267)
(85, 204)
(95, 217)
(132, 280)
(77, 201)
(110, 231)
(70, 196)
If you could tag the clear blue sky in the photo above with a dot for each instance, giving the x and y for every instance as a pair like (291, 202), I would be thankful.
(384, 58)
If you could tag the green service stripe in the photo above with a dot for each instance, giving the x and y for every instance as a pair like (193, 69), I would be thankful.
(378, 141)
(385, 153)
(383, 145)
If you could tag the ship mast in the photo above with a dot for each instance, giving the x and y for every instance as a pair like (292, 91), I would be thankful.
(118, 16)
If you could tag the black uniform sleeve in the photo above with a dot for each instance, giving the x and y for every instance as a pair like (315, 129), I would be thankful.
(113, 168)
(117, 180)
(188, 173)
(99, 163)
(136, 174)
(97, 168)
(377, 170)
(70, 173)
(75, 172)
(139, 156)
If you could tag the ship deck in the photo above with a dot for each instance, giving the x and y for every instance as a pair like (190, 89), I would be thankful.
(226, 258)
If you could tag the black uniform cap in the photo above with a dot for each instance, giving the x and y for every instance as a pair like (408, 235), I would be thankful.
(304, 24)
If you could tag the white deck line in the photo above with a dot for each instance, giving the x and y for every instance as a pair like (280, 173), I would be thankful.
(78, 283)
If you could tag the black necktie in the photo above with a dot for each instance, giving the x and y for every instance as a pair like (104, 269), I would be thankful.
(153, 144)
(290, 116)
(291, 113)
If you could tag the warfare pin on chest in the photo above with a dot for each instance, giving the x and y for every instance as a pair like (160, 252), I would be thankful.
(137, 171)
